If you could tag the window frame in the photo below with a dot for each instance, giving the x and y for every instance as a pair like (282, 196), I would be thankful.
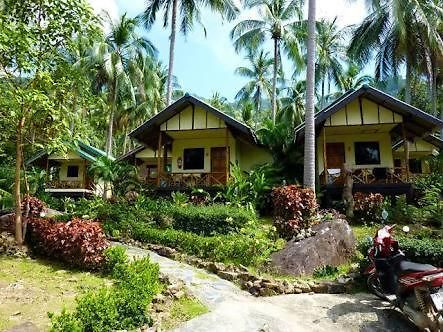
(70, 167)
(358, 161)
(186, 160)
(413, 163)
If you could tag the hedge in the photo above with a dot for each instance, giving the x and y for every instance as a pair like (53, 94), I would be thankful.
(426, 251)
(247, 249)
(204, 220)
(208, 220)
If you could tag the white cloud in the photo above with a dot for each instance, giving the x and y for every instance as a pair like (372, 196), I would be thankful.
(347, 11)
(105, 5)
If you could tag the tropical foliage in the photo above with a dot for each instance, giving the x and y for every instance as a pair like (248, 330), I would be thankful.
(68, 73)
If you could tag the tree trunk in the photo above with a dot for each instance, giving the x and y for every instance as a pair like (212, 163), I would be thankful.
(171, 52)
(274, 81)
(18, 163)
(27, 207)
(110, 132)
(441, 111)
(309, 162)
(125, 141)
(434, 90)
(322, 93)
(111, 118)
(408, 82)
(258, 108)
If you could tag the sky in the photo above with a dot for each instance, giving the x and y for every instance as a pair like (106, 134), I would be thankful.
(204, 66)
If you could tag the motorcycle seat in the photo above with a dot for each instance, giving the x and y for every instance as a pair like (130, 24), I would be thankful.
(404, 267)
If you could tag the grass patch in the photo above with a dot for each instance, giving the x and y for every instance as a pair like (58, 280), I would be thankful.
(204, 275)
(30, 288)
(363, 231)
(182, 310)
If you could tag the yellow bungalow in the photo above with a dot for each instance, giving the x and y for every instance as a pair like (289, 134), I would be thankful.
(419, 152)
(193, 144)
(357, 132)
(67, 172)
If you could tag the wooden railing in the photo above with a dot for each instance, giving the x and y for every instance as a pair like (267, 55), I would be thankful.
(192, 179)
(369, 176)
(58, 184)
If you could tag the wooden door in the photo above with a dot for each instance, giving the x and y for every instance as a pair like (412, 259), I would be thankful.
(218, 166)
(335, 155)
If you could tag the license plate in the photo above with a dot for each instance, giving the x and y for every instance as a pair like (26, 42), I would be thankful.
(437, 299)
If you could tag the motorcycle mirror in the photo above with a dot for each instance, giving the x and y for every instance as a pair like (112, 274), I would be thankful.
(406, 229)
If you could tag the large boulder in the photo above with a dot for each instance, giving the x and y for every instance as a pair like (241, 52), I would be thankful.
(333, 244)
(7, 222)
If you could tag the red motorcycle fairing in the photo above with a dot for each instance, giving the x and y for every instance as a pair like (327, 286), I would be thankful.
(414, 279)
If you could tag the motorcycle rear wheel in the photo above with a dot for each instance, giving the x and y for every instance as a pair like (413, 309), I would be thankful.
(374, 286)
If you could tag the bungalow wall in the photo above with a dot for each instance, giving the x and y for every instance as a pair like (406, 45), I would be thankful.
(249, 156)
(200, 141)
(70, 159)
(384, 140)
(419, 151)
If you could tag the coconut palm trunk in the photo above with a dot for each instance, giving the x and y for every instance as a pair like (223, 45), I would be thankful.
(17, 196)
(274, 81)
(408, 81)
(171, 52)
(309, 157)
(111, 120)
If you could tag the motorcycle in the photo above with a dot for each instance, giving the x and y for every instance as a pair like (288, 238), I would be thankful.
(416, 289)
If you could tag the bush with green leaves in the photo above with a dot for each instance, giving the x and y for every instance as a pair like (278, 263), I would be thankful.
(114, 256)
(425, 250)
(121, 306)
(251, 189)
(250, 247)
(201, 219)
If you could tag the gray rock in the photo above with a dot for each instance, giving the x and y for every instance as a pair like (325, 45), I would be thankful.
(246, 276)
(215, 267)
(179, 294)
(231, 276)
(333, 245)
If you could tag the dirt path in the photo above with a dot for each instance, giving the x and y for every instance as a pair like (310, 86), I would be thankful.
(232, 309)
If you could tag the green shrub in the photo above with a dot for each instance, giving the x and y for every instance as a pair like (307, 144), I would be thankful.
(200, 219)
(209, 220)
(65, 322)
(325, 271)
(119, 307)
(114, 256)
(251, 247)
(429, 251)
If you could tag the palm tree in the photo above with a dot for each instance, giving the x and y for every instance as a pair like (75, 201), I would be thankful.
(309, 165)
(279, 21)
(398, 31)
(330, 54)
(114, 55)
(259, 76)
(351, 78)
(293, 104)
(190, 11)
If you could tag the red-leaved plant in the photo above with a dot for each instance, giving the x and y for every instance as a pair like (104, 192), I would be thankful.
(368, 206)
(78, 242)
(295, 208)
(36, 206)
